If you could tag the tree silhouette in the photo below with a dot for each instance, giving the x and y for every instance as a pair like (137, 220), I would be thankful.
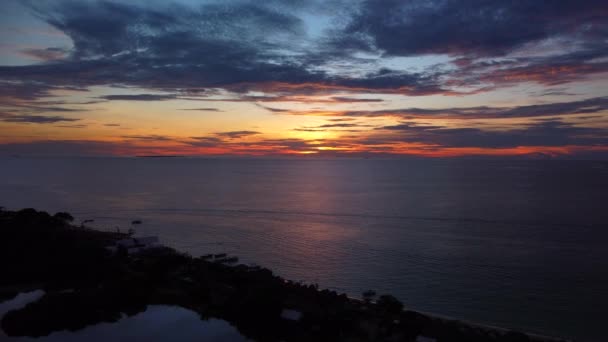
(389, 304)
(368, 296)
(65, 217)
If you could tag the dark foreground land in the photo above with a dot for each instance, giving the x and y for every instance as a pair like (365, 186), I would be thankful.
(85, 284)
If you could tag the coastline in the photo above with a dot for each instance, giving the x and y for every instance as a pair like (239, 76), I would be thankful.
(105, 285)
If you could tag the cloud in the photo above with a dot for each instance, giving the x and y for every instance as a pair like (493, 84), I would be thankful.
(496, 43)
(201, 145)
(226, 144)
(548, 70)
(544, 133)
(246, 46)
(402, 141)
(335, 127)
(138, 97)
(275, 110)
(150, 137)
(304, 129)
(20, 89)
(48, 54)
(344, 125)
(236, 134)
(344, 99)
(38, 107)
(235, 46)
(35, 119)
(478, 27)
(556, 92)
(290, 144)
(268, 54)
(205, 141)
(587, 106)
(341, 119)
(206, 109)
(288, 98)
(72, 126)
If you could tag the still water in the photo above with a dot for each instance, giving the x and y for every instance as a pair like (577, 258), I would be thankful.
(519, 244)
(159, 323)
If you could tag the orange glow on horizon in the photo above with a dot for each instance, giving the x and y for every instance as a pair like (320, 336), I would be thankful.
(132, 148)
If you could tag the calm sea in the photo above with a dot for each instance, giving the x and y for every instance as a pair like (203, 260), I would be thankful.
(519, 244)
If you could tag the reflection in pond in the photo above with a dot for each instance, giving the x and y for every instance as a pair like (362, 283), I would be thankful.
(157, 323)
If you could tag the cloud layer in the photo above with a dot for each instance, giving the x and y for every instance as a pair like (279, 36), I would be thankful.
(346, 64)
(244, 45)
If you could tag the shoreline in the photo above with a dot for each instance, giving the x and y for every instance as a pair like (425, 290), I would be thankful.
(251, 298)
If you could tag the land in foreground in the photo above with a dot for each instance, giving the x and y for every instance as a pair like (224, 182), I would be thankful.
(85, 284)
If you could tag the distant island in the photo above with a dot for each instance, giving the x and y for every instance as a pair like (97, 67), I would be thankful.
(91, 276)
(159, 156)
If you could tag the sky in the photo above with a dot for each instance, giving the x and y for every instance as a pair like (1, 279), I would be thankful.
(476, 78)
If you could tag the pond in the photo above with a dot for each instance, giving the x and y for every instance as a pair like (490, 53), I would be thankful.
(157, 323)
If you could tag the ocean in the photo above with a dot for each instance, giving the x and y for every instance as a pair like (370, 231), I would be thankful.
(513, 243)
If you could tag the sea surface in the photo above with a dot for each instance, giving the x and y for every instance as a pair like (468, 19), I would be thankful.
(518, 244)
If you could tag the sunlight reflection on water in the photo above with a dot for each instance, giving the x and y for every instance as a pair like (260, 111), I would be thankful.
(511, 243)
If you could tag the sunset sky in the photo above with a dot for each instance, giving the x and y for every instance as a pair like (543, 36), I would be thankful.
(323, 78)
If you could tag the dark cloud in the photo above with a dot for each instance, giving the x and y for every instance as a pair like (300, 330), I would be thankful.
(338, 127)
(150, 137)
(86, 147)
(288, 144)
(171, 46)
(556, 92)
(35, 119)
(236, 46)
(409, 127)
(352, 99)
(262, 53)
(205, 141)
(139, 97)
(275, 110)
(309, 129)
(477, 27)
(20, 89)
(546, 70)
(236, 134)
(35, 107)
(482, 34)
(72, 126)
(265, 146)
(589, 117)
(47, 54)
(206, 109)
(425, 140)
(344, 125)
(289, 98)
(264, 46)
(545, 133)
(109, 28)
(587, 106)
(341, 119)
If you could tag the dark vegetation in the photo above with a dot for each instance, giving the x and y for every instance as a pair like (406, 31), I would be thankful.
(85, 284)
